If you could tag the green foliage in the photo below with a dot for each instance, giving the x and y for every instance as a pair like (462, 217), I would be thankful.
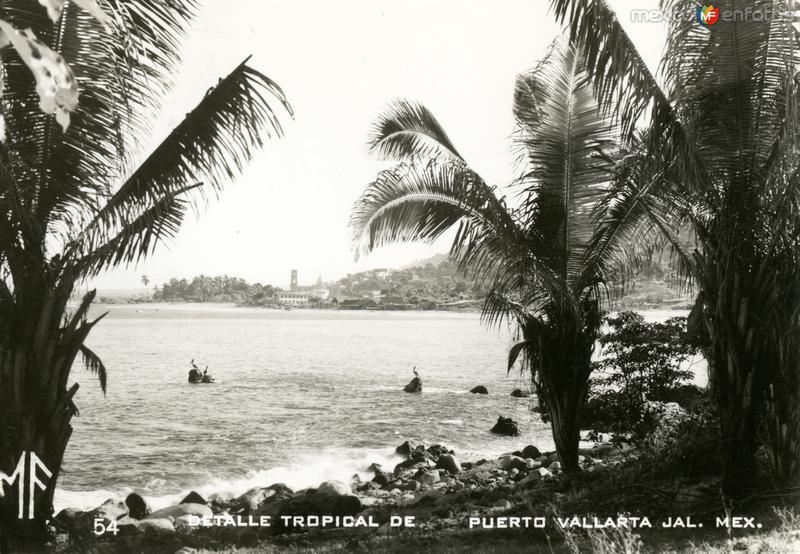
(540, 259)
(681, 442)
(641, 362)
(714, 152)
(76, 202)
(214, 289)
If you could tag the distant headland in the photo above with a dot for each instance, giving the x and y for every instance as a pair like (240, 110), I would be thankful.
(434, 283)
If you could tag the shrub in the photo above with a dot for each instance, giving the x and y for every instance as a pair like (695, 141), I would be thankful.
(641, 362)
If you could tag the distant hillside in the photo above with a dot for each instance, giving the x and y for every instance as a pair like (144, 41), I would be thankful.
(432, 283)
(436, 259)
(435, 283)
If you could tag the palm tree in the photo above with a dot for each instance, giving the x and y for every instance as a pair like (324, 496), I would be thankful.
(541, 261)
(73, 203)
(718, 154)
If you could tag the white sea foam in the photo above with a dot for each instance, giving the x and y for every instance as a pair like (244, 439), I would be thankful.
(306, 472)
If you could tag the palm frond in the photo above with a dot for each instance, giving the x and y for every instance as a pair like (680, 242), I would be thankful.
(563, 134)
(621, 79)
(733, 82)
(94, 364)
(212, 144)
(119, 69)
(415, 202)
(514, 352)
(408, 130)
(135, 239)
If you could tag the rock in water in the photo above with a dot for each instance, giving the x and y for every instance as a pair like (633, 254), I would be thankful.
(137, 507)
(480, 389)
(505, 426)
(414, 386)
(519, 393)
(406, 449)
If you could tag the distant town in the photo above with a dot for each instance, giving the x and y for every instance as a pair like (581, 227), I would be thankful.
(431, 284)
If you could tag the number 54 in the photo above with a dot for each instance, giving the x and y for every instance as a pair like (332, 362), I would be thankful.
(100, 527)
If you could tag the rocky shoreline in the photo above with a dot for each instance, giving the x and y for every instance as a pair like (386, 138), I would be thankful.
(431, 489)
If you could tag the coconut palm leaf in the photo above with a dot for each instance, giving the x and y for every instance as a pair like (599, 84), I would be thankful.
(212, 144)
(95, 365)
(562, 132)
(74, 203)
(620, 77)
(414, 202)
(409, 130)
(71, 169)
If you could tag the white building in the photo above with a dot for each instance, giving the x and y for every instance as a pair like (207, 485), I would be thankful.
(291, 298)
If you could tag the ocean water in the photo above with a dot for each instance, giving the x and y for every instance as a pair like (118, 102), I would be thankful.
(301, 397)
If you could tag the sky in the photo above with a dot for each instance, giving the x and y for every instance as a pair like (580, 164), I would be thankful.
(340, 64)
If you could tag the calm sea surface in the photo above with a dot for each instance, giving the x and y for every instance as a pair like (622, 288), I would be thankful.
(302, 396)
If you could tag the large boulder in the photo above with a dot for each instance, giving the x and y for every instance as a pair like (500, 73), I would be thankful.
(110, 510)
(415, 385)
(193, 498)
(433, 452)
(506, 426)
(156, 526)
(66, 518)
(509, 462)
(480, 389)
(174, 512)
(334, 488)
(137, 506)
(413, 463)
(519, 393)
(406, 449)
(531, 451)
(449, 463)
(383, 478)
(535, 476)
(251, 500)
(272, 503)
(428, 478)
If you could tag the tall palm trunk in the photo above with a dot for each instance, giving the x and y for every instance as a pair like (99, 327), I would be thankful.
(564, 410)
(36, 405)
(737, 369)
(563, 380)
